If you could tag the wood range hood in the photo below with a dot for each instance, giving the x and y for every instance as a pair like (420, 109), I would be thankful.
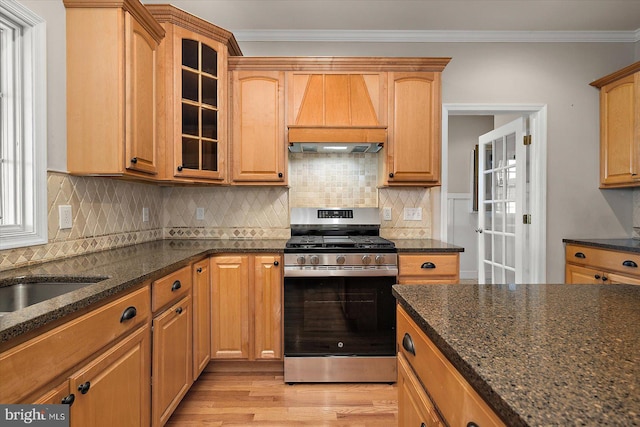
(337, 114)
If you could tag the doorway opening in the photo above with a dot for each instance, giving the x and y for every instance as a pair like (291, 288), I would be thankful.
(457, 222)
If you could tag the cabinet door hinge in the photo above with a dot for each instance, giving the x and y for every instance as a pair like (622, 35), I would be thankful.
(526, 140)
(526, 219)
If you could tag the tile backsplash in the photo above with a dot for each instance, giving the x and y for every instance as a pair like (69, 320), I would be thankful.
(107, 212)
(333, 180)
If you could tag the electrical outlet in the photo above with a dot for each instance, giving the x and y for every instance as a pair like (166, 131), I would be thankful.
(200, 214)
(66, 217)
(412, 214)
(145, 214)
(386, 214)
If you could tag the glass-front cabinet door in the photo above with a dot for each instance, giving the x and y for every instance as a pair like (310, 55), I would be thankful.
(199, 150)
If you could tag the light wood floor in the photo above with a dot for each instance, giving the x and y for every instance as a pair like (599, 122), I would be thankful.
(263, 399)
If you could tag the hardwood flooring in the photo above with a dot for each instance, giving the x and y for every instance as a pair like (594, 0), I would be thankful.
(263, 399)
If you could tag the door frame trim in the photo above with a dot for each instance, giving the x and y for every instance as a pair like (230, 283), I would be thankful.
(538, 176)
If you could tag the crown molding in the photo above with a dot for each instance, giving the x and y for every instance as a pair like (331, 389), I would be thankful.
(427, 36)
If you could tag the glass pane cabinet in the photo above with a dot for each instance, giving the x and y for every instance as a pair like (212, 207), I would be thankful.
(193, 101)
(199, 148)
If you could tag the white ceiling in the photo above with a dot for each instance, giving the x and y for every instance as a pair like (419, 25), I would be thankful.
(418, 15)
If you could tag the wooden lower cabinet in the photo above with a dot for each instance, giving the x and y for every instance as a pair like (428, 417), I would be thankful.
(201, 317)
(246, 307)
(428, 268)
(430, 388)
(589, 265)
(114, 389)
(414, 406)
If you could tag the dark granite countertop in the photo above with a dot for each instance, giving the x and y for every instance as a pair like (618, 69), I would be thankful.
(126, 267)
(425, 245)
(539, 354)
(629, 245)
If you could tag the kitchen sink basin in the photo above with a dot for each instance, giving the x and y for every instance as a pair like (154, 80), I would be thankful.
(32, 290)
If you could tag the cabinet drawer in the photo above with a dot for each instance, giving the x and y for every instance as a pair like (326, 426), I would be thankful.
(414, 406)
(458, 403)
(428, 265)
(627, 263)
(34, 363)
(170, 288)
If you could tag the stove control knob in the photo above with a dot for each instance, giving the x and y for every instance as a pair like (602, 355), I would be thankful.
(379, 259)
(340, 259)
(366, 260)
(314, 259)
(301, 260)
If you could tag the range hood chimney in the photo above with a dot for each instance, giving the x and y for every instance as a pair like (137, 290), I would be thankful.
(337, 115)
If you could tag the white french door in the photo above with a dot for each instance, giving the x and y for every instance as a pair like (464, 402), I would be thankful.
(502, 199)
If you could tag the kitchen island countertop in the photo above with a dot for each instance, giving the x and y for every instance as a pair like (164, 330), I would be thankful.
(539, 354)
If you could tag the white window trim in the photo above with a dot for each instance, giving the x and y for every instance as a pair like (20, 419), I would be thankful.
(32, 128)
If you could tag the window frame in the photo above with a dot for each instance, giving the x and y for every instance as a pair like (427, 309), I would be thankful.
(23, 126)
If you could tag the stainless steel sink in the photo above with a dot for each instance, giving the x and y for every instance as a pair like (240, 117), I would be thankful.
(32, 290)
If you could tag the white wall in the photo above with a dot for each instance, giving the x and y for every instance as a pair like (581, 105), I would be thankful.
(556, 74)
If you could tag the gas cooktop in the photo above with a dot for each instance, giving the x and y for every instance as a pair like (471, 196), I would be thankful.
(339, 242)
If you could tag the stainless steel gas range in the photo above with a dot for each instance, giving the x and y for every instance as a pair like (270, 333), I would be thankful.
(339, 313)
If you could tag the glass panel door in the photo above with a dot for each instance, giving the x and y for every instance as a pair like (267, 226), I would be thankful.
(501, 203)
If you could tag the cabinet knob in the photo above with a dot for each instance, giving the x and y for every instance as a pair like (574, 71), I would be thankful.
(280, 174)
(179, 310)
(68, 400)
(580, 255)
(84, 388)
(629, 263)
(428, 264)
(391, 175)
(179, 168)
(176, 285)
(597, 276)
(199, 270)
(128, 313)
(276, 263)
(472, 424)
(134, 160)
(407, 344)
(605, 278)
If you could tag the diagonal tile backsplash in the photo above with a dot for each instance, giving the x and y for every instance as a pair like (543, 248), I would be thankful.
(107, 212)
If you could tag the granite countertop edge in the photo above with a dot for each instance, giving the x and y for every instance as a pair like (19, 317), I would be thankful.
(153, 260)
(628, 244)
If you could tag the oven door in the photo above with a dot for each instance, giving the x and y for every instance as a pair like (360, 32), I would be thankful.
(339, 316)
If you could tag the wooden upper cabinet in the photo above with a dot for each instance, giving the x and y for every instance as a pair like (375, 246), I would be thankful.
(620, 128)
(413, 151)
(193, 96)
(258, 146)
(112, 49)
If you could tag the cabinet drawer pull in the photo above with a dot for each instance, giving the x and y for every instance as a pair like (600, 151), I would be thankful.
(472, 424)
(428, 264)
(629, 263)
(176, 285)
(128, 314)
(407, 344)
(580, 255)
(179, 310)
(84, 388)
(68, 400)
